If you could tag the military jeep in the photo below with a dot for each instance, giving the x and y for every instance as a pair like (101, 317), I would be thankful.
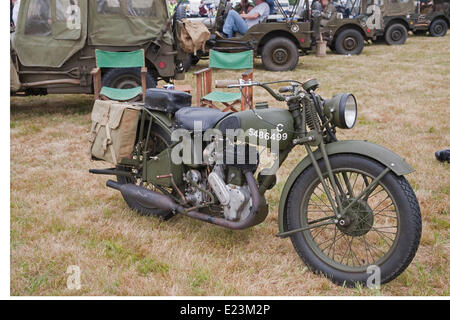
(53, 46)
(391, 19)
(280, 38)
(432, 16)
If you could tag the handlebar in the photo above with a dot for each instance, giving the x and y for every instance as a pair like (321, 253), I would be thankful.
(265, 85)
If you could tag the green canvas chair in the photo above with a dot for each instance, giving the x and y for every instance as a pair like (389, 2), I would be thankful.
(224, 60)
(106, 59)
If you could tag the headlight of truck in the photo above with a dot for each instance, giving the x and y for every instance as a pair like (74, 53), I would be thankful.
(342, 109)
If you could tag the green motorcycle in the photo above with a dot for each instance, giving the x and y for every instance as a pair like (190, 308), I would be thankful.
(346, 206)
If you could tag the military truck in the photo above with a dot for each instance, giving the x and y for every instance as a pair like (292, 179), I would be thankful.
(53, 46)
(432, 16)
(279, 39)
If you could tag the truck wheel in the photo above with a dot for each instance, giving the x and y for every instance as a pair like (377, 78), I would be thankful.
(438, 28)
(125, 78)
(349, 41)
(279, 54)
(396, 34)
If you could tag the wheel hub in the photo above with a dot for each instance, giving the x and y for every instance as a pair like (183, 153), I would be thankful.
(438, 28)
(349, 43)
(396, 35)
(280, 55)
(358, 220)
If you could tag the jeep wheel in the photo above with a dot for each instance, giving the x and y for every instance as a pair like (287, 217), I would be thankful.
(438, 28)
(125, 78)
(396, 34)
(279, 54)
(349, 41)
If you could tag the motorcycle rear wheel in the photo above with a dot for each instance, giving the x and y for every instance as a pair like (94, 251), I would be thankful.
(382, 229)
(159, 140)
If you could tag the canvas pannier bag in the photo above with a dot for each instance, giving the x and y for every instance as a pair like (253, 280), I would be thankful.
(113, 130)
(193, 36)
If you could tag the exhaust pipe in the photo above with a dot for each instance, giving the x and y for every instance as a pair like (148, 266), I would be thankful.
(258, 212)
(148, 197)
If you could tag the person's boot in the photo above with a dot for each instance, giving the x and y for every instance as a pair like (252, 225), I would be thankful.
(443, 155)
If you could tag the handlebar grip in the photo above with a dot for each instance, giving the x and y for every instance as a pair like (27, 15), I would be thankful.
(225, 83)
(285, 89)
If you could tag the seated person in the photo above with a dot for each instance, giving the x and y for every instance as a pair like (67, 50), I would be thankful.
(244, 6)
(241, 23)
(271, 4)
(328, 12)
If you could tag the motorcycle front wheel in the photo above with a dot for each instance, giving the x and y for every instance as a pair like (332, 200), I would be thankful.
(382, 229)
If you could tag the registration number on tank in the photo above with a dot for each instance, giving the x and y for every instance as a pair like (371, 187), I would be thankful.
(266, 135)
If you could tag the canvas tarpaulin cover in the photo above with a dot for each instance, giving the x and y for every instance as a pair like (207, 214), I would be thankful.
(127, 22)
(50, 31)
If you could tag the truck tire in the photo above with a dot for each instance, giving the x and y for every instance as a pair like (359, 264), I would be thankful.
(125, 78)
(396, 34)
(349, 41)
(280, 54)
(438, 28)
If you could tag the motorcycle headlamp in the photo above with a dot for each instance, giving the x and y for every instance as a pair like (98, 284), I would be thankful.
(342, 109)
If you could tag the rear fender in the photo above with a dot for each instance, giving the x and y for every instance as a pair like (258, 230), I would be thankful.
(371, 150)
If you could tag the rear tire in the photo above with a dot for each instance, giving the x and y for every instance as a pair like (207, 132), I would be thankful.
(160, 141)
(438, 28)
(396, 34)
(399, 253)
(280, 54)
(349, 41)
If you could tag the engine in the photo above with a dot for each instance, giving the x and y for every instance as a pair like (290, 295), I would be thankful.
(236, 200)
(233, 196)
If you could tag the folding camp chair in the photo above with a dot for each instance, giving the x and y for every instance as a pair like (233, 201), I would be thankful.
(106, 59)
(223, 60)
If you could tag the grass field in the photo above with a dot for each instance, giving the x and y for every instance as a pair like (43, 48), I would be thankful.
(61, 215)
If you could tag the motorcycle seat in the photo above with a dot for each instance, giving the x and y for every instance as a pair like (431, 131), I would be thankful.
(166, 100)
(185, 117)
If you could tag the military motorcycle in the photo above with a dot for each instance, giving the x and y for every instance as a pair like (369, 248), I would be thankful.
(346, 206)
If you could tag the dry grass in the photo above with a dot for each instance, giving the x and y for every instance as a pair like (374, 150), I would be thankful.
(61, 215)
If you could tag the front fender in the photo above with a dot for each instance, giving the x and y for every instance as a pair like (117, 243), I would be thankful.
(368, 149)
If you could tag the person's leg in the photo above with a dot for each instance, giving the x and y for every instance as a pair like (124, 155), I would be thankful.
(234, 23)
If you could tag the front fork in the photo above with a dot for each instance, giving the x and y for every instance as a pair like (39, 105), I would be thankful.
(336, 204)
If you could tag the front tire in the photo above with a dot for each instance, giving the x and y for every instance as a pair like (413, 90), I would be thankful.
(280, 54)
(396, 34)
(126, 78)
(438, 28)
(377, 232)
(349, 41)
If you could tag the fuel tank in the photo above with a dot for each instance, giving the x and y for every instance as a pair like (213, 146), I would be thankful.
(268, 126)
